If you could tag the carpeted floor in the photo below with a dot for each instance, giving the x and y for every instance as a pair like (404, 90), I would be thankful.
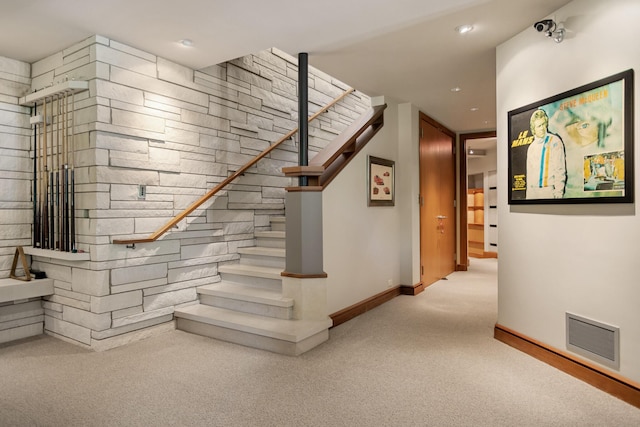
(429, 360)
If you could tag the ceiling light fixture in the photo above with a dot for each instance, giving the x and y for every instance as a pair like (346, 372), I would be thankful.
(474, 109)
(186, 42)
(476, 152)
(463, 29)
(455, 89)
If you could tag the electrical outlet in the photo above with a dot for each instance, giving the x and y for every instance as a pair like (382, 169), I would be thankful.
(389, 283)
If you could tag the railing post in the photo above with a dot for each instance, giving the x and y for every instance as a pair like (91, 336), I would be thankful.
(304, 279)
(304, 249)
(303, 113)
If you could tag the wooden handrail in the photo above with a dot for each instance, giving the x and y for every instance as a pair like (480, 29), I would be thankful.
(326, 164)
(195, 205)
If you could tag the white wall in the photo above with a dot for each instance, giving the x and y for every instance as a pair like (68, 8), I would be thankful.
(409, 189)
(482, 164)
(366, 247)
(579, 259)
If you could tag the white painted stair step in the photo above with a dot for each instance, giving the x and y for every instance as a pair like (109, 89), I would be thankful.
(252, 270)
(263, 251)
(278, 223)
(287, 330)
(273, 239)
(264, 256)
(246, 293)
(271, 234)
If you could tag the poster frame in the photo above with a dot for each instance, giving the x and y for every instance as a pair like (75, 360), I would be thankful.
(597, 187)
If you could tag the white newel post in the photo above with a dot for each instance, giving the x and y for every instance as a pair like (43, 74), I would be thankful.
(304, 279)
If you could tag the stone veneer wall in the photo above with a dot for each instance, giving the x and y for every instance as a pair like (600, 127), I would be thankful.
(20, 319)
(24, 317)
(16, 169)
(148, 121)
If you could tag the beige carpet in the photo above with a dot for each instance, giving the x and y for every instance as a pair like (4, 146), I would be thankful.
(429, 360)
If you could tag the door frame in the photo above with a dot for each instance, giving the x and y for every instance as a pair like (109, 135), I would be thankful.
(463, 184)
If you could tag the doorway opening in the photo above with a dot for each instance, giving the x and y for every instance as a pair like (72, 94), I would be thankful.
(478, 197)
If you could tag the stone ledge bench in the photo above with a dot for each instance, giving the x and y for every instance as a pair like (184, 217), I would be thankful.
(21, 312)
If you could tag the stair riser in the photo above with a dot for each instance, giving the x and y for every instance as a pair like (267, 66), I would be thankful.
(270, 242)
(278, 226)
(260, 282)
(251, 340)
(285, 313)
(263, 261)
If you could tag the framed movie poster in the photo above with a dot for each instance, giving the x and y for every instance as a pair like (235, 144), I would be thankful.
(381, 185)
(575, 147)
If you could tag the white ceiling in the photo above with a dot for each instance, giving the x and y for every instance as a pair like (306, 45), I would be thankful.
(403, 49)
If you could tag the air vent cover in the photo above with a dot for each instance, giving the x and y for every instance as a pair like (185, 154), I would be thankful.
(595, 340)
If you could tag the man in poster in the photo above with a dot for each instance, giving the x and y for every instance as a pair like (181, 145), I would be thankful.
(546, 167)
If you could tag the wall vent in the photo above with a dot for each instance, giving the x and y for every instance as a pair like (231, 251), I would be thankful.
(595, 340)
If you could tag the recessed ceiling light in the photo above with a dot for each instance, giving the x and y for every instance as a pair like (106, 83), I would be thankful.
(455, 89)
(474, 108)
(463, 29)
(476, 152)
(186, 42)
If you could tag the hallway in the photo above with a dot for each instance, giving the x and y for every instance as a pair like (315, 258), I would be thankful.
(428, 360)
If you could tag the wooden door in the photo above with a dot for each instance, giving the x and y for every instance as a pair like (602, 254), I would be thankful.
(437, 195)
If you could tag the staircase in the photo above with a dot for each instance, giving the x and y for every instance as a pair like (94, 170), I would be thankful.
(247, 306)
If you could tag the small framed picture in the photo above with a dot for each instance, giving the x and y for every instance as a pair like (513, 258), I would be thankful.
(381, 182)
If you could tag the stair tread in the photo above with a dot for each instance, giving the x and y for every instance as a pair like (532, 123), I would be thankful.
(287, 330)
(262, 250)
(272, 234)
(246, 293)
(251, 270)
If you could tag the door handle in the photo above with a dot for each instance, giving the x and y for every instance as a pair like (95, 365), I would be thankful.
(441, 217)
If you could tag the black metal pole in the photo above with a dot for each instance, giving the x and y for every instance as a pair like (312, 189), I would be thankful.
(52, 209)
(72, 207)
(44, 188)
(72, 202)
(36, 225)
(303, 113)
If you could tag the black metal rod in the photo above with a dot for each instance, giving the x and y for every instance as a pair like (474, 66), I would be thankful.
(72, 202)
(59, 180)
(64, 232)
(58, 236)
(35, 241)
(73, 212)
(65, 180)
(44, 190)
(52, 211)
(303, 113)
